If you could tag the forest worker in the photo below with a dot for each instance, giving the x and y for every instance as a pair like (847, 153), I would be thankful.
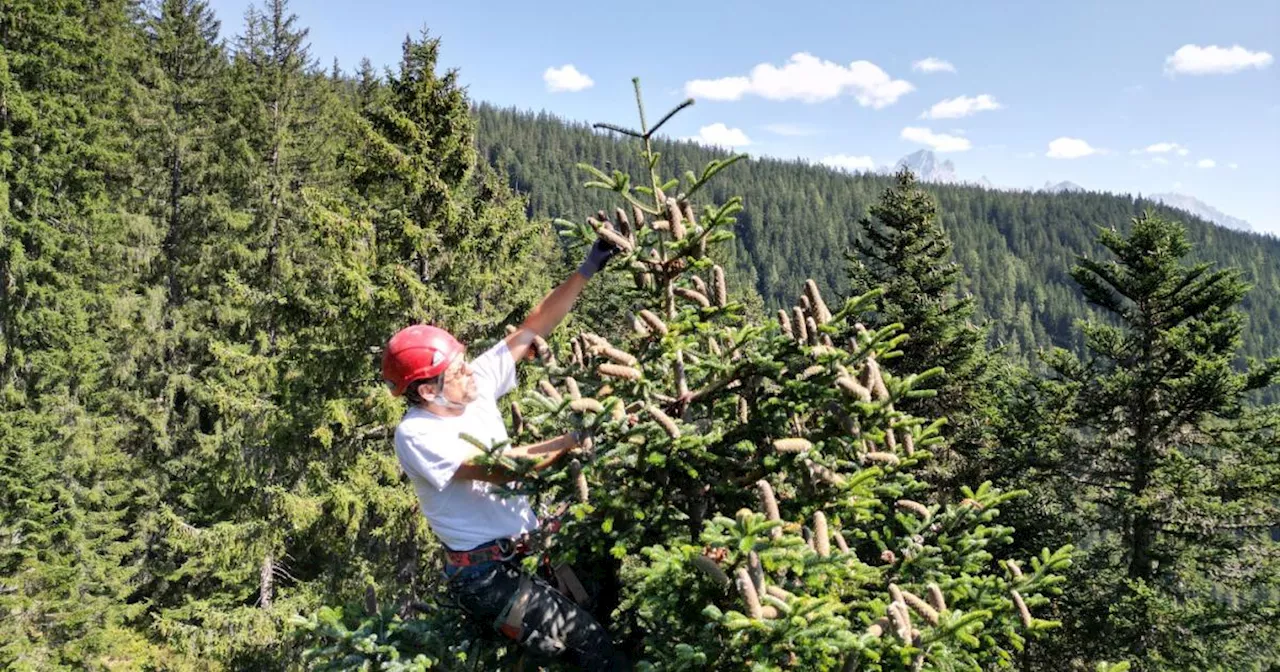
(485, 534)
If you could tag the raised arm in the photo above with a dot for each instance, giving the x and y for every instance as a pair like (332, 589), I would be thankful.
(555, 306)
(544, 318)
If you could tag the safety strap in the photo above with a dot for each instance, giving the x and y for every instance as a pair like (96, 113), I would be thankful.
(513, 625)
(567, 582)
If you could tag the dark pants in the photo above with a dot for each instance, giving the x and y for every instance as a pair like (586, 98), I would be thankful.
(555, 627)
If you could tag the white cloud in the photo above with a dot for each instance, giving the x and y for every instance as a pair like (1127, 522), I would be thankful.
(1192, 59)
(1160, 160)
(809, 79)
(1233, 166)
(1162, 148)
(848, 162)
(726, 88)
(566, 78)
(938, 141)
(963, 106)
(790, 130)
(1206, 163)
(932, 64)
(1069, 148)
(719, 135)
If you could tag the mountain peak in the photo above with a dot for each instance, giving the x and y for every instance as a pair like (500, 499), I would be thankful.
(1199, 208)
(926, 167)
(1064, 186)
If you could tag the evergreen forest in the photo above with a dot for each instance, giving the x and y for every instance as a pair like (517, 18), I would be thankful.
(836, 421)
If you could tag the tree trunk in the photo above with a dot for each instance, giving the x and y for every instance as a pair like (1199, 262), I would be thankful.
(266, 582)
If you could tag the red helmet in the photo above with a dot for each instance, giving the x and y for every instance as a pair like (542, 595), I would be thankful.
(417, 352)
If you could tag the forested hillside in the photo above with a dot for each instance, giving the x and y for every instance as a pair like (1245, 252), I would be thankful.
(799, 220)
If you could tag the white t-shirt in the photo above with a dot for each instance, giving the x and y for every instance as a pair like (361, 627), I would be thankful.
(463, 513)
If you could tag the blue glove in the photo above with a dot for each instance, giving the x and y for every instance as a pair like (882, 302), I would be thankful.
(599, 255)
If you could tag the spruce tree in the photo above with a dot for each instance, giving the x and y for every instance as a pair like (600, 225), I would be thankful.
(749, 497)
(68, 548)
(1175, 476)
(233, 496)
(904, 251)
(186, 60)
(436, 208)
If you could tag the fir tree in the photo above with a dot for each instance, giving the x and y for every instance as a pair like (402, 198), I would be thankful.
(904, 251)
(748, 497)
(434, 207)
(1175, 475)
(68, 549)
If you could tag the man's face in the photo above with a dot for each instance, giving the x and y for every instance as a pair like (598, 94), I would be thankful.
(459, 383)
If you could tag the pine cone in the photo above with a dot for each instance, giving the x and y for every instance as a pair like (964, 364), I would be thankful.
(586, 405)
(654, 322)
(749, 596)
(712, 570)
(802, 333)
(821, 539)
(579, 480)
(668, 425)
(549, 390)
(676, 218)
(619, 371)
(786, 324)
(819, 307)
(517, 419)
(693, 295)
(770, 505)
(792, 445)
(618, 356)
(572, 386)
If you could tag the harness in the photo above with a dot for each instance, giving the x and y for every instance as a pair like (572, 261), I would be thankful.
(510, 550)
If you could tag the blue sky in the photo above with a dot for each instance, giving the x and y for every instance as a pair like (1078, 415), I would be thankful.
(1140, 97)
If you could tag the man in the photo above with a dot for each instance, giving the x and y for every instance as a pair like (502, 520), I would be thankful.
(482, 531)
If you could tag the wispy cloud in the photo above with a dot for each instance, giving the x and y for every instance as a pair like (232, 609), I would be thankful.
(1233, 166)
(1193, 59)
(1206, 163)
(962, 106)
(719, 135)
(849, 162)
(1070, 148)
(790, 130)
(566, 78)
(932, 64)
(938, 141)
(809, 79)
(1162, 148)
